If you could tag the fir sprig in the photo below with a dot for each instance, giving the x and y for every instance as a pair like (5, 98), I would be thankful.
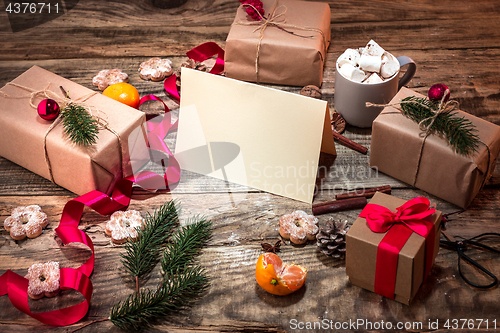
(142, 255)
(79, 125)
(142, 310)
(181, 283)
(459, 131)
(186, 245)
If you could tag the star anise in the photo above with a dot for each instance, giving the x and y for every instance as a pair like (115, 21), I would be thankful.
(270, 248)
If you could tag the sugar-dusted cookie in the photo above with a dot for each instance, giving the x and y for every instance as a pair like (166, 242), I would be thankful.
(122, 225)
(155, 69)
(298, 227)
(43, 280)
(107, 77)
(26, 221)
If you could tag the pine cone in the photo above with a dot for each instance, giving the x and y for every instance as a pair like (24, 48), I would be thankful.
(190, 63)
(331, 238)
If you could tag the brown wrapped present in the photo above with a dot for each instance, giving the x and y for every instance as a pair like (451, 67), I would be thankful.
(290, 51)
(438, 170)
(76, 168)
(363, 247)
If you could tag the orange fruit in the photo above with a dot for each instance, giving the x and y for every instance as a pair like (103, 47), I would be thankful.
(123, 92)
(278, 278)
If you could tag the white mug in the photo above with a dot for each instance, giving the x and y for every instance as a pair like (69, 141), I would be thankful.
(350, 97)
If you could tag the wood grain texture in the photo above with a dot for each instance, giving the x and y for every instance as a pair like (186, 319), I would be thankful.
(230, 258)
(453, 42)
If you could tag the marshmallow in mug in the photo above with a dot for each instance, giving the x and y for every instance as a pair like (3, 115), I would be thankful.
(370, 64)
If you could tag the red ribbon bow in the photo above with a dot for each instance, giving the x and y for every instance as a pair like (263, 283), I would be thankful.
(407, 219)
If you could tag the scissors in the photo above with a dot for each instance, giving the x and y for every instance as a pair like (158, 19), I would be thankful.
(461, 246)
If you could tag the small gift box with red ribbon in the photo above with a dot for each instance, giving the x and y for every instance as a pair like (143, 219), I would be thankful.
(392, 245)
(287, 45)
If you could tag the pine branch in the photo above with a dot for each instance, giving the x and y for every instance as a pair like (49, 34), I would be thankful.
(142, 310)
(142, 255)
(79, 125)
(186, 245)
(459, 131)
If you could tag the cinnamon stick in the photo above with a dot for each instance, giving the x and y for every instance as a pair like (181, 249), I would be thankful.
(349, 143)
(367, 193)
(339, 205)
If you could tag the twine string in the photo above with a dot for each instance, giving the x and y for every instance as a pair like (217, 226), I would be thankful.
(276, 19)
(65, 101)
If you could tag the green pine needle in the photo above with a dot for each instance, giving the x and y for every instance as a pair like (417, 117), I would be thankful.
(79, 125)
(459, 131)
(144, 309)
(186, 245)
(142, 255)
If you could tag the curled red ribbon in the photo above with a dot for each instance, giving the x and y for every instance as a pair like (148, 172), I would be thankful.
(409, 218)
(200, 53)
(16, 286)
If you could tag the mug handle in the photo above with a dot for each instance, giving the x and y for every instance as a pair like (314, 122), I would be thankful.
(412, 68)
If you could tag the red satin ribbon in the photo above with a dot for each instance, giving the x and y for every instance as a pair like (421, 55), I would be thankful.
(16, 286)
(200, 53)
(409, 218)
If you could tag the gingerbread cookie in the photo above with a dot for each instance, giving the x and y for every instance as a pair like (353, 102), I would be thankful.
(155, 69)
(107, 77)
(43, 280)
(122, 225)
(26, 221)
(298, 227)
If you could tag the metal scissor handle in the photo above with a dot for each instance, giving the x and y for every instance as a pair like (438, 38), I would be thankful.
(461, 245)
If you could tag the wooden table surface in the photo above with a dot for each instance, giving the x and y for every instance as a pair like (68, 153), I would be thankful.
(454, 42)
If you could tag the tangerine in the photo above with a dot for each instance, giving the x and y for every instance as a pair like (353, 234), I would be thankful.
(278, 278)
(123, 92)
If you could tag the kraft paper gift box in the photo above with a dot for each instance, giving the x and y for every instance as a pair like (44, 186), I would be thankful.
(395, 146)
(278, 56)
(76, 168)
(362, 246)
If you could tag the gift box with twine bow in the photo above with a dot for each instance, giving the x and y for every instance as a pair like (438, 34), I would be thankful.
(401, 149)
(288, 46)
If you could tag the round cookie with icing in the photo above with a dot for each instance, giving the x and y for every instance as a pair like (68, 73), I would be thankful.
(298, 227)
(155, 69)
(108, 77)
(43, 280)
(26, 221)
(124, 225)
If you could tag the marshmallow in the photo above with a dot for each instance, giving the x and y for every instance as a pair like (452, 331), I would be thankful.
(370, 63)
(358, 75)
(390, 65)
(350, 56)
(352, 73)
(373, 78)
(373, 49)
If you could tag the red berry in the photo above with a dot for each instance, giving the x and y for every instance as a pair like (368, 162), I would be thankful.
(437, 91)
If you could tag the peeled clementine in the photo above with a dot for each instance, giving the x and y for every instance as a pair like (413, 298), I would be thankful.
(123, 92)
(278, 278)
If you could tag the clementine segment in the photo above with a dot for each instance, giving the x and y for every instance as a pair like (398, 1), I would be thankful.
(278, 278)
(123, 92)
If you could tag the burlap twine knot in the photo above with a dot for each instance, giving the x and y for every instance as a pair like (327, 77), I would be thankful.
(64, 102)
(278, 20)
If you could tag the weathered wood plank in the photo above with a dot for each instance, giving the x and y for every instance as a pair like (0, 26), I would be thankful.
(117, 29)
(230, 259)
